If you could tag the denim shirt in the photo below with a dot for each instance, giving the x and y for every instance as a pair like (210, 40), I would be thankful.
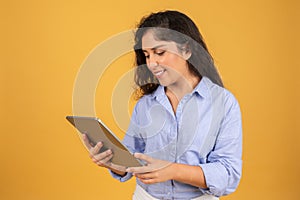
(205, 131)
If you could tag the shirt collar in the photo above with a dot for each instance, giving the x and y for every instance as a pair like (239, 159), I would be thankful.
(159, 92)
(201, 89)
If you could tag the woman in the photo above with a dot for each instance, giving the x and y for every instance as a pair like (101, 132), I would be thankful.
(185, 125)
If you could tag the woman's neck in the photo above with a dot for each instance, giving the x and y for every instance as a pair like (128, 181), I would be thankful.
(183, 87)
(177, 91)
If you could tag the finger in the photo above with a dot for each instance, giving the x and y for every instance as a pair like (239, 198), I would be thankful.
(144, 157)
(148, 181)
(145, 175)
(102, 155)
(105, 162)
(136, 170)
(95, 150)
(86, 141)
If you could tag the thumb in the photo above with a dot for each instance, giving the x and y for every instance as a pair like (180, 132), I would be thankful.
(144, 157)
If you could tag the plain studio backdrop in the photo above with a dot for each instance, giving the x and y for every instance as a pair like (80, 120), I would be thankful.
(44, 43)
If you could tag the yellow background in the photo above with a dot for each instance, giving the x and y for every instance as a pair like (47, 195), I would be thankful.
(43, 43)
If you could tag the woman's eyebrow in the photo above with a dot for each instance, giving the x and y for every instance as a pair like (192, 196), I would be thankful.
(156, 47)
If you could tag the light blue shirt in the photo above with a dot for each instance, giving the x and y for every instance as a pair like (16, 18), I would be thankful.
(205, 131)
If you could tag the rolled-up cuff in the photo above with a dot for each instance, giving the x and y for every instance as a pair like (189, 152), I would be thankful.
(121, 178)
(216, 178)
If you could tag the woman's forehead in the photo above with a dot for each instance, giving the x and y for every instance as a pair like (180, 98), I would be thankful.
(149, 41)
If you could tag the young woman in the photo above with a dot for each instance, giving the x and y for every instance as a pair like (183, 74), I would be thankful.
(186, 126)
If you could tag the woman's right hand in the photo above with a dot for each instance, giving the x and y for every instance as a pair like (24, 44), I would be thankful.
(103, 159)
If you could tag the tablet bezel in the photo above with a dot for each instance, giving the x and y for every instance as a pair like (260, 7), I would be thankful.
(97, 131)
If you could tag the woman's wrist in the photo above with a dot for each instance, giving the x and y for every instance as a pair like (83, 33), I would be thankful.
(174, 171)
(120, 173)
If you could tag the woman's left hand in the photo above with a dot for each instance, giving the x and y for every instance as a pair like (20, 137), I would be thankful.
(155, 171)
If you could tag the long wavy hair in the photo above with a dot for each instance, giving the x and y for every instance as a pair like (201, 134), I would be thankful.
(179, 28)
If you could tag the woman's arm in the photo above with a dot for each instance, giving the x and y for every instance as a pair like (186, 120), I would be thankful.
(192, 175)
(159, 171)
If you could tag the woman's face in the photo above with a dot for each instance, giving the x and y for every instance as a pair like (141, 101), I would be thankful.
(165, 61)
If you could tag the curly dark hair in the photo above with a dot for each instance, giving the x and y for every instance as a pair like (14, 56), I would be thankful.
(179, 28)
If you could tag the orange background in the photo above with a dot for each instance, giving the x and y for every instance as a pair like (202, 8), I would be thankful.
(43, 44)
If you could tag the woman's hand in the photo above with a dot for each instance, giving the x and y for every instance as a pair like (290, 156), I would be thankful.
(103, 159)
(155, 171)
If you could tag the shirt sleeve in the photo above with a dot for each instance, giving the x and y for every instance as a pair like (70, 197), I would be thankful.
(120, 178)
(224, 164)
(132, 141)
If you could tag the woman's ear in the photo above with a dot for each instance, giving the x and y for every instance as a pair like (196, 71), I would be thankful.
(187, 54)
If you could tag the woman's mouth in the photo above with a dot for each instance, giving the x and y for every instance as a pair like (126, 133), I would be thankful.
(159, 73)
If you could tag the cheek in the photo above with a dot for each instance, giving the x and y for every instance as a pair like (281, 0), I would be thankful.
(176, 57)
(175, 62)
(169, 60)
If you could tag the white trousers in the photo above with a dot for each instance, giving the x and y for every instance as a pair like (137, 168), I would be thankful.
(141, 194)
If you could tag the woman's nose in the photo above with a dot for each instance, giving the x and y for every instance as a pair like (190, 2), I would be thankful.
(152, 62)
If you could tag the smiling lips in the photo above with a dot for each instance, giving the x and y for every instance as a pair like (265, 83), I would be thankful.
(159, 73)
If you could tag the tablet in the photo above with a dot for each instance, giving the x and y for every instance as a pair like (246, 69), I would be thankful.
(97, 131)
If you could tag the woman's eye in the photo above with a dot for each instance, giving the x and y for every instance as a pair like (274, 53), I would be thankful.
(160, 53)
(146, 55)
